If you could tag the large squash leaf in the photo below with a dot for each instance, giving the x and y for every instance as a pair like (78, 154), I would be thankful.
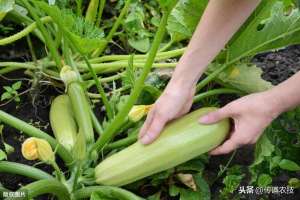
(243, 77)
(184, 18)
(263, 34)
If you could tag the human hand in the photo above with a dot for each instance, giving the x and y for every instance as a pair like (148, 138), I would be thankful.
(175, 101)
(251, 115)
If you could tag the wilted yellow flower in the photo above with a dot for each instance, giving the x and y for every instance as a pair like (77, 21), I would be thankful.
(35, 148)
(138, 112)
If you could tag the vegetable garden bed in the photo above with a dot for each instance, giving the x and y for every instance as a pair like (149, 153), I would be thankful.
(133, 51)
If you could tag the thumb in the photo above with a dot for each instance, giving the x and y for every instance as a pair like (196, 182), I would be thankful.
(216, 116)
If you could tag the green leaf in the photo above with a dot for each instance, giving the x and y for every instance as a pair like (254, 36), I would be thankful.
(232, 182)
(184, 18)
(202, 187)
(263, 148)
(129, 76)
(17, 85)
(8, 148)
(113, 193)
(270, 28)
(294, 182)
(5, 7)
(142, 45)
(3, 155)
(243, 77)
(264, 180)
(167, 4)
(84, 34)
(8, 89)
(6, 95)
(289, 165)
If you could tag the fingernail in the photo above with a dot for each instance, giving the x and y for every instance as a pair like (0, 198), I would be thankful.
(145, 139)
(204, 119)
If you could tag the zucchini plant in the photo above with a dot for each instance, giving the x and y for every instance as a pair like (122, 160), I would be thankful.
(101, 154)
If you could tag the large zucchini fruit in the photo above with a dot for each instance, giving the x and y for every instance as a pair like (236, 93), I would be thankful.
(180, 141)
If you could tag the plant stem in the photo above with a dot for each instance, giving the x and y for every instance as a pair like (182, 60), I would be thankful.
(115, 192)
(213, 92)
(100, 12)
(113, 30)
(167, 46)
(97, 126)
(47, 186)
(211, 77)
(48, 40)
(100, 89)
(34, 132)
(19, 65)
(225, 168)
(116, 66)
(159, 56)
(24, 32)
(121, 116)
(90, 83)
(122, 142)
(23, 170)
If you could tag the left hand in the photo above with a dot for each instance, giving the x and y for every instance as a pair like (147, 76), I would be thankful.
(251, 115)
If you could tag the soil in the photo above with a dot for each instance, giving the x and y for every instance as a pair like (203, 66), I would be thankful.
(277, 67)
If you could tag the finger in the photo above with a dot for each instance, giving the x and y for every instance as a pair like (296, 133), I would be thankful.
(216, 116)
(153, 130)
(147, 123)
(228, 146)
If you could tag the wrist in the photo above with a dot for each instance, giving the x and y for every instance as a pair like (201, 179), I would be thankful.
(275, 103)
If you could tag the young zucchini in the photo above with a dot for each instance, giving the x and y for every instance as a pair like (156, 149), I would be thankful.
(79, 102)
(180, 141)
(62, 121)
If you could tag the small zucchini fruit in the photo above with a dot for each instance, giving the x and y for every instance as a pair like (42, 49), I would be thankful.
(181, 140)
(62, 121)
(79, 102)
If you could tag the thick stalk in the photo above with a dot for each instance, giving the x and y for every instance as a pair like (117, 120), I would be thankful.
(112, 192)
(213, 92)
(34, 132)
(122, 142)
(211, 77)
(47, 186)
(23, 170)
(116, 66)
(91, 12)
(121, 116)
(17, 64)
(113, 30)
(24, 32)
(159, 56)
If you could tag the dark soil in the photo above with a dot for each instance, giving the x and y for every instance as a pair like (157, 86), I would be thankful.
(277, 67)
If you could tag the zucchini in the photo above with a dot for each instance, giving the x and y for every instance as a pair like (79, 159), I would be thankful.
(62, 121)
(79, 102)
(181, 140)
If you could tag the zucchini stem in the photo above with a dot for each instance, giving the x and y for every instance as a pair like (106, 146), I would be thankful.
(213, 92)
(109, 132)
(23, 170)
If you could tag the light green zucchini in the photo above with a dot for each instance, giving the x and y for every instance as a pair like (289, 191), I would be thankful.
(181, 140)
(62, 121)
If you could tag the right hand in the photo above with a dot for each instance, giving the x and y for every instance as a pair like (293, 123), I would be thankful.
(175, 101)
